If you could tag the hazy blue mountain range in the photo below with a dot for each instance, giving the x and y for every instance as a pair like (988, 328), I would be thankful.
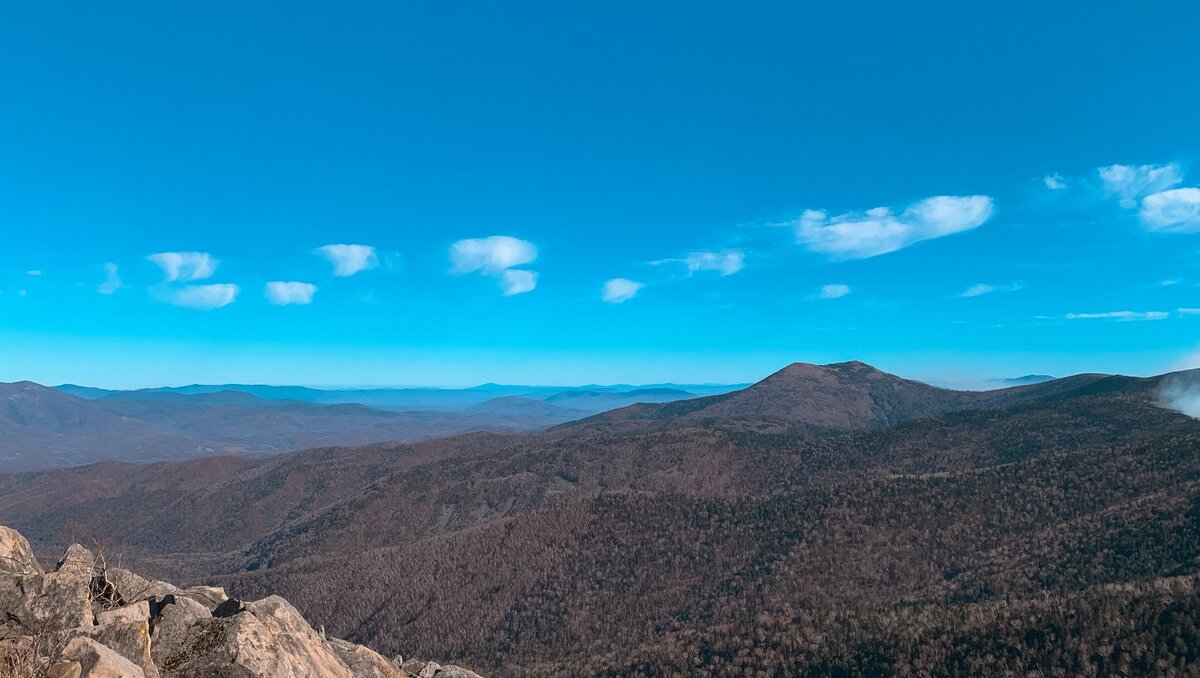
(1021, 381)
(44, 427)
(591, 397)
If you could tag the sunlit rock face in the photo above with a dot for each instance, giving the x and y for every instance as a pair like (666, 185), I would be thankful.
(87, 620)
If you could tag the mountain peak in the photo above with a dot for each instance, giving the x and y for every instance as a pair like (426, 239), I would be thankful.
(830, 372)
(839, 396)
(854, 365)
(15, 386)
(29, 390)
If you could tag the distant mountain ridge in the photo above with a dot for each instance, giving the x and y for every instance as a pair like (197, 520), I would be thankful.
(199, 420)
(43, 428)
(1026, 380)
(523, 405)
(591, 398)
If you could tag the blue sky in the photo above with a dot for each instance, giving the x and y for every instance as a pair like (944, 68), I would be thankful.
(595, 192)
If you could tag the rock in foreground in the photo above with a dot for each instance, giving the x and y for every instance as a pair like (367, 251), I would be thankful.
(87, 620)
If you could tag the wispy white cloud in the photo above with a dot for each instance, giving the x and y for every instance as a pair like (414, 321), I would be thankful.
(1172, 211)
(349, 259)
(836, 291)
(725, 262)
(981, 289)
(204, 297)
(1165, 207)
(1128, 183)
(491, 255)
(185, 266)
(283, 293)
(1054, 182)
(497, 256)
(978, 289)
(620, 290)
(1189, 311)
(517, 281)
(35, 272)
(1120, 315)
(859, 235)
(112, 281)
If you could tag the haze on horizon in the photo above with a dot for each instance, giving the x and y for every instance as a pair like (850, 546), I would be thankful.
(421, 196)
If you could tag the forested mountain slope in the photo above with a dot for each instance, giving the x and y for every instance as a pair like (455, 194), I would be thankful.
(706, 543)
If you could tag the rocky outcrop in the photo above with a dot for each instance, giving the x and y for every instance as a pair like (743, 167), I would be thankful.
(420, 669)
(77, 560)
(86, 620)
(87, 657)
(41, 601)
(16, 557)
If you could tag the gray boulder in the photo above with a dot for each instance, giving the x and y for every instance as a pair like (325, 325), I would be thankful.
(117, 624)
(98, 661)
(130, 639)
(171, 628)
(419, 669)
(59, 600)
(64, 669)
(79, 561)
(130, 588)
(208, 596)
(16, 556)
(363, 662)
(130, 613)
(269, 638)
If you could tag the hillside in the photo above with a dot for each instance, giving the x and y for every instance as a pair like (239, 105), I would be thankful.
(44, 428)
(723, 539)
(976, 508)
